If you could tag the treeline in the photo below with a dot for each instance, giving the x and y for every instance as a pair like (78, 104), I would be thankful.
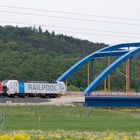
(28, 54)
(49, 42)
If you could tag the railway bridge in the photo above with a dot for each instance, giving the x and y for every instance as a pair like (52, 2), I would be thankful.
(125, 53)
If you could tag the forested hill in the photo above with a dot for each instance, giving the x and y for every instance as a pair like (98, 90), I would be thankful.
(28, 54)
(36, 38)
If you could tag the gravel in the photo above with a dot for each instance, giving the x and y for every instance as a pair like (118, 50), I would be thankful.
(63, 100)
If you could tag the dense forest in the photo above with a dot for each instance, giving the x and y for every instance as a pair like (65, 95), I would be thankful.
(28, 54)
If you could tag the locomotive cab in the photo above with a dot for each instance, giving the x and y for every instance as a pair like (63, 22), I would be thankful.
(10, 87)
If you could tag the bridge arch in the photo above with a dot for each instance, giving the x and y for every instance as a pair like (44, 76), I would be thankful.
(92, 56)
(110, 69)
(116, 50)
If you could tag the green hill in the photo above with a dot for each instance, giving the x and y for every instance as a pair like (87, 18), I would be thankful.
(31, 54)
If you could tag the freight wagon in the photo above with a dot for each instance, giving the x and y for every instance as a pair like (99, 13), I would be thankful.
(1, 88)
(43, 89)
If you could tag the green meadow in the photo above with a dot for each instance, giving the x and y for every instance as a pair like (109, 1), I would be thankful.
(69, 118)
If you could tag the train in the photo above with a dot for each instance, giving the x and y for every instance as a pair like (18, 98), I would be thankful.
(32, 88)
(1, 88)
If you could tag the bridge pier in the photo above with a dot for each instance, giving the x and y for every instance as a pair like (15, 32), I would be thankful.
(112, 101)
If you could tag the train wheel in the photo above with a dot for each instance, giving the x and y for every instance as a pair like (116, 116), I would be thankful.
(11, 95)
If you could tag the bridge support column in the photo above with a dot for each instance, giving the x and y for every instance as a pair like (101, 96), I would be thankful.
(105, 87)
(92, 71)
(128, 77)
(66, 85)
(107, 81)
(88, 74)
(109, 62)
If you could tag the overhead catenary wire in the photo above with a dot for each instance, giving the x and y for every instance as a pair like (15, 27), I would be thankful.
(121, 73)
(70, 18)
(90, 31)
(87, 33)
(70, 13)
(99, 34)
(69, 27)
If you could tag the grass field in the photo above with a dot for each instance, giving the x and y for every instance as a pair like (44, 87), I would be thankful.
(70, 118)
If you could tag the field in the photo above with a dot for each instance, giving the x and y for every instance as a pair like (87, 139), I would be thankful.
(68, 123)
(70, 118)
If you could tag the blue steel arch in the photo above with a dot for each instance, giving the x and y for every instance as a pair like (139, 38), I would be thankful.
(110, 69)
(108, 51)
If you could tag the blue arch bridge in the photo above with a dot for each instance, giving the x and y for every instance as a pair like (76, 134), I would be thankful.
(125, 54)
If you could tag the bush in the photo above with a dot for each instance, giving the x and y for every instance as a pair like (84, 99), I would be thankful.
(72, 88)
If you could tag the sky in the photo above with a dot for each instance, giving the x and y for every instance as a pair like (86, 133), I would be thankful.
(104, 21)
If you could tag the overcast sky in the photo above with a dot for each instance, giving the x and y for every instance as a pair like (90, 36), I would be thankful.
(91, 22)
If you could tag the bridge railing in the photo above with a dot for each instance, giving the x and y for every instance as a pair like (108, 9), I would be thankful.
(101, 93)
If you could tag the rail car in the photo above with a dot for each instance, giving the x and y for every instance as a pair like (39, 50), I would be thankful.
(33, 88)
(1, 88)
